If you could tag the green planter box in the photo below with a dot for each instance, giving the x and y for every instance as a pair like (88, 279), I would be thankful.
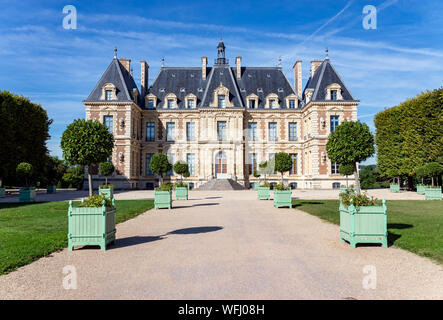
(282, 198)
(364, 224)
(343, 188)
(91, 226)
(26, 195)
(264, 193)
(107, 192)
(162, 199)
(51, 189)
(181, 193)
(421, 188)
(433, 193)
(256, 185)
(394, 187)
(2, 192)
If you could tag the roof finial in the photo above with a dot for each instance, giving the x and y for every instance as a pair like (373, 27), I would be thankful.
(163, 62)
(115, 53)
(327, 54)
(279, 61)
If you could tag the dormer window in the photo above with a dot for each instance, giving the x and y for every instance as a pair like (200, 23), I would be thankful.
(252, 101)
(292, 104)
(191, 104)
(170, 101)
(272, 101)
(333, 94)
(222, 101)
(251, 104)
(151, 103)
(291, 101)
(108, 94)
(191, 101)
(221, 97)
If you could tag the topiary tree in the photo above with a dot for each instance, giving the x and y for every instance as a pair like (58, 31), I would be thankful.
(160, 164)
(24, 171)
(433, 170)
(106, 169)
(346, 170)
(283, 163)
(74, 177)
(351, 142)
(181, 168)
(87, 143)
(266, 168)
(53, 170)
(420, 173)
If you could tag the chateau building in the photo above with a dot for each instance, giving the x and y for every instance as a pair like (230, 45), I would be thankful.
(222, 120)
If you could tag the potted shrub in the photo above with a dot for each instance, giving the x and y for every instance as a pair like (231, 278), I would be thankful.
(362, 219)
(24, 171)
(264, 190)
(53, 171)
(162, 196)
(395, 187)
(433, 193)
(92, 222)
(421, 188)
(160, 164)
(106, 169)
(181, 188)
(282, 196)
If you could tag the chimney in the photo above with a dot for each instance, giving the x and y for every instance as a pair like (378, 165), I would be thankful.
(298, 78)
(314, 66)
(204, 64)
(126, 63)
(144, 77)
(238, 64)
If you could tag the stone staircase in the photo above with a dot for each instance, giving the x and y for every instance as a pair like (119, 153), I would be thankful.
(221, 184)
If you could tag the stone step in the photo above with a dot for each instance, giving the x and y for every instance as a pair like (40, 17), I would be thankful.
(221, 184)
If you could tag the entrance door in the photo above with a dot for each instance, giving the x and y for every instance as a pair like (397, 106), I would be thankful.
(221, 166)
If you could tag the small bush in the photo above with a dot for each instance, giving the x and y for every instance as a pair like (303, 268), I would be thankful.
(281, 187)
(164, 187)
(96, 201)
(266, 184)
(359, 200)
(181, 184)
(107, 186)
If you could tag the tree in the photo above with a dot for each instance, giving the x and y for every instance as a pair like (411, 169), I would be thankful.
(24, 171)
(87, 143)
(266, 168)
(74, 176)
(24, 129)
(181, 168)
(433, 170)
(346, 170)
(160, 164)
(351, 142)
(283, 163)
(53, 170)
(106, 169)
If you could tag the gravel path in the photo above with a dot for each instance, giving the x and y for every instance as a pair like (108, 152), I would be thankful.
(227, 246)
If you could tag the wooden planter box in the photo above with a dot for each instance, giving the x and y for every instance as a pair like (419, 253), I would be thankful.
(256, 185)
(433, 193)
(2, 192)
(162, 199)
(282, 198)
(27, 195)
(51, 189)
(181, 193)
(364, 224)
(421, 189)
(264, 193)
(91, 226)
(107, 192)
(394, 187)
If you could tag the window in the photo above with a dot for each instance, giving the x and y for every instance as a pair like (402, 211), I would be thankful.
(108, 122)
(108, 94)
(221, 130)
(292, 131)
(171, 161)
(291, 104)
(170, 103)
(191, 103)
(272, 103)
(150, 131)
(190, 131)
(190, 160)
(251, 104)
(334, 168)
(222, 101)
(148, 171)
(294, 164)
(170, 131)
(151, 103)
(333, 94)
(336, 185)
(272, 129)
(334, 123)
(252, 163)
(252, 130)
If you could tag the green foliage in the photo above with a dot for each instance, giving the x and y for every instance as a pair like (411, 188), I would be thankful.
(281, 187)
(160, 164)
(351, 142)
(24, 129)
(267, 167)
(24, 171)
(107, 186)
(433, 169)
(346, 169)
(74, 177)
(86, 142)
(106, 168)
(96, 201)
(181, 184)
(358, 200)
(187, 174)
(410, 135)
(265, 184)
(53, 170)
(283, 162)
(371, 179)
(181, 168)
(256, 174)
(164, 187)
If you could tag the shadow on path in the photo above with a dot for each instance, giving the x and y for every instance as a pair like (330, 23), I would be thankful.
(197, 205)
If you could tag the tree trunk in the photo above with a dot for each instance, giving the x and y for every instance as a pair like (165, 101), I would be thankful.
(161, 179)
(432, 178)
(90, 180)
(347, 185)
(106, 180)
(281, 178)
(357, 179)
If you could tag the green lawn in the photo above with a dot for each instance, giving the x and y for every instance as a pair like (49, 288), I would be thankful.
(413, 225)
(31, 231)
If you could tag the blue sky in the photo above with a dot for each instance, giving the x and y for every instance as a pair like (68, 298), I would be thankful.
(58, 68)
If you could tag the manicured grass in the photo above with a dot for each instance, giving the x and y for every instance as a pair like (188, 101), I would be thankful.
(31, 231)
(413, 225)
